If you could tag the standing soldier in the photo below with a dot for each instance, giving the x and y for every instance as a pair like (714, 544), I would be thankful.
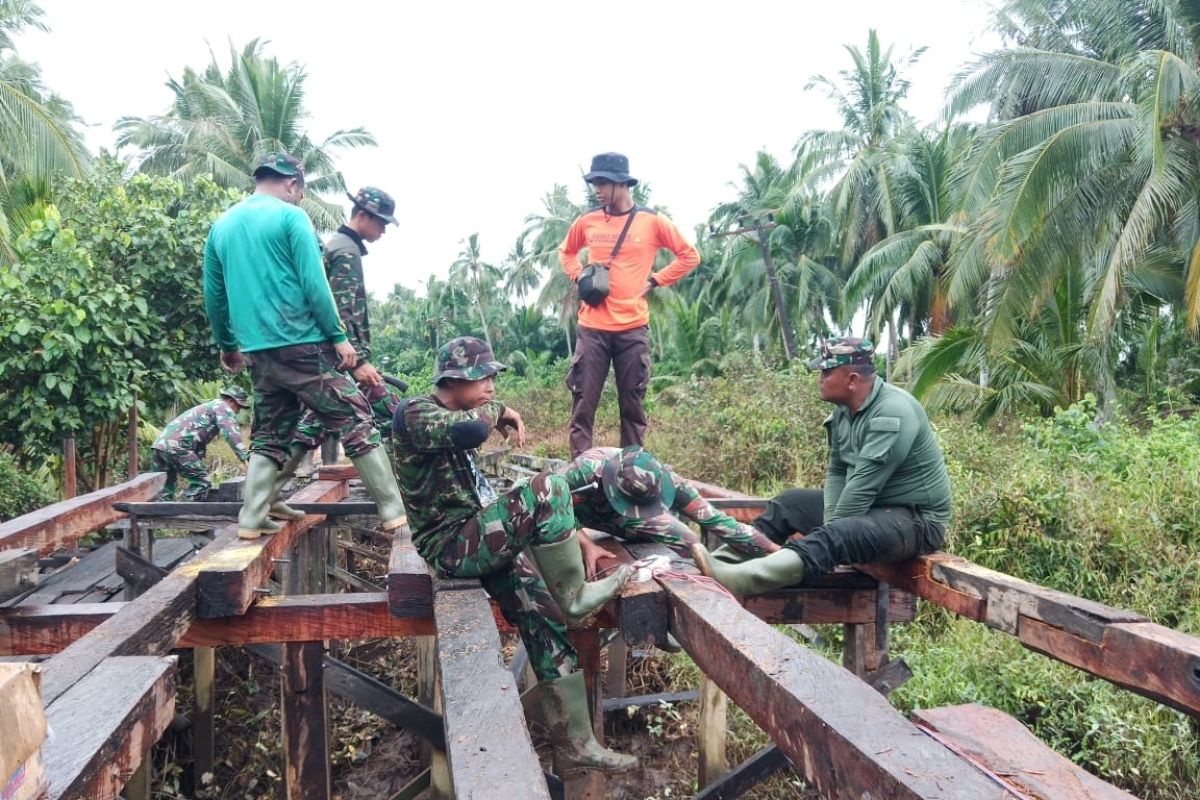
(465, 530)
(179, 449)
(622, 240)
(267, 296)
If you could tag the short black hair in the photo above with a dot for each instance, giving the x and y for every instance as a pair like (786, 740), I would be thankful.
(267, 175)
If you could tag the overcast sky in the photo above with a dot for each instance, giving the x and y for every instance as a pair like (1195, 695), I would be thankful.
(479, 108)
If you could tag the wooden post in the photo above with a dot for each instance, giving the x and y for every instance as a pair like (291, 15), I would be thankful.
(68, 467)
(429, 696)
(204, 671)
(858, 653)
(618, 664)
(713, 714)
(138, 787)
(132, 442)
(305, 727)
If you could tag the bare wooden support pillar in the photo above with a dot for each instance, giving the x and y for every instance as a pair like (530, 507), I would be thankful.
(305, 725)
(138, 787)
(714, 706)
(859, 654)
(68, 467)
(440, 787)
(131, 442)
(618, 664)
(204, 671)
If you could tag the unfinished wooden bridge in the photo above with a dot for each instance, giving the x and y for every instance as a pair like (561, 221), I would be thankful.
(105, 628)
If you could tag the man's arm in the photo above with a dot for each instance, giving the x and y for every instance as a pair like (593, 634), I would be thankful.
(310, 270)
(568, 251)
(227, 425)
(429, 427)
(345, 278)
(835, 473)
(687, 257)
(887, 443)
(216, 302)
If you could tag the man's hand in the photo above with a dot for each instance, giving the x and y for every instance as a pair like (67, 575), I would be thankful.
(232, 361)
(346, 353)
(510, 421)
(593, 555)
(367, 375)
(649, 287)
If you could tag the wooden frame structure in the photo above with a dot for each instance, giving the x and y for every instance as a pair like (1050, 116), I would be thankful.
(831, 724)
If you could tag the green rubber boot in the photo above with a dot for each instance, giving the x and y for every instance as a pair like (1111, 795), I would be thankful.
(260, 483)
(781, 568)
(727, 555)
(561, 565)
(376, 472)
(565, 708)
(280, 509)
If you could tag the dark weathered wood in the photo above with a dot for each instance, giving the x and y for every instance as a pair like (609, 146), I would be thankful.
(62, 524)
(18, 571)
(816, 605)
(350, 579)
(410, 590)
(889, 677)
(226, 584)
(106, 724)
(1008, 749)
(614, 704)
(844, 738)
(746, 776)
(490, 753)
(139, 574)
(348, 508)
(303, 708)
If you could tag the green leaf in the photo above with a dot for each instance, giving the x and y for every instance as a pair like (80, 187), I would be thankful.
(22, 327)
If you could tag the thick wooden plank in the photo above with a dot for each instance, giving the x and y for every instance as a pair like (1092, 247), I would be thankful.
(1007, 748)
(844, 738)
(18, 571)
(304, 717)
(62, 524)
(226, 583)
(410, 590)
(337, 472)
(750, 773)
(814, 605)
(487, 744)
(346, 508)
(106, 724)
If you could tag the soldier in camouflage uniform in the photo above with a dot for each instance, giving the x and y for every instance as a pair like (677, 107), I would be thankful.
(631, 495)
(267, 297)
(179, 449)
(522, 545)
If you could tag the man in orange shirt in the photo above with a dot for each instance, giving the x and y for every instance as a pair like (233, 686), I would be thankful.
(616, 329)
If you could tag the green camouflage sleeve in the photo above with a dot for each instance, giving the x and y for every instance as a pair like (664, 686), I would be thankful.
(345, 280)
(428, 426)
(582, 471)
(227, 424)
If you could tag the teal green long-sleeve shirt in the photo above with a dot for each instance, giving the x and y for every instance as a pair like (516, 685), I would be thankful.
(264, 279)
(885, 455)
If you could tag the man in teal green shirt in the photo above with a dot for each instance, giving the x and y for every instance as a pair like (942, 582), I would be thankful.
(886, 495)
(270, 307)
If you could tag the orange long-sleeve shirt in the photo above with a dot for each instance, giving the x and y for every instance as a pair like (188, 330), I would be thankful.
(625, 307)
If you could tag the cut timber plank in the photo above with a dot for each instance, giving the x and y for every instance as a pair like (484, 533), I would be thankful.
(231, 509)
(487, 744)
(226, 582)
(814, 605)
(106, 724)
(842, 736)
(62, 524)
(1007, 748)
(410, 590)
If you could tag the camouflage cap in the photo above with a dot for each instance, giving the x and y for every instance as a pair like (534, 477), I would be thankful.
(375, 201)
(466, 358)
(280, 163)
(237, 394)
(844, 350)
(636, 484)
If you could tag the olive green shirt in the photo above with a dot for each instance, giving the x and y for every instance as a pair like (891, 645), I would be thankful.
(885, 455)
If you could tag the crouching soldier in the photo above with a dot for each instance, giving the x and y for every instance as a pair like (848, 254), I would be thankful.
(630, 494)
(179, 449)
(886, 495)
(463, 529)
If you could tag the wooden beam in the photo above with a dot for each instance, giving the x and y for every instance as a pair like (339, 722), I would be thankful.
(410, 589)
(750, 773)
(813, 605)
(1008, 749)
(226, 585)
(844, 738)
(62, 524)
(18, 571)
(487, 744)
(231, 509)
(304, 718)
(105, 726)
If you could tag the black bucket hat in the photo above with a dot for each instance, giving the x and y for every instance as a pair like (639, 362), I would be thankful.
(611, 166)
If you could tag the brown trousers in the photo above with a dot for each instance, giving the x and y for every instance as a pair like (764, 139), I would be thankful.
(629, 354)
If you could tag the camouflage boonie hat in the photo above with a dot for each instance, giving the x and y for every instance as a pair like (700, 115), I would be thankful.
(636, 484)
(844, 350)
(280, 163)
(466, 358)
(237, 394)
(376, 202)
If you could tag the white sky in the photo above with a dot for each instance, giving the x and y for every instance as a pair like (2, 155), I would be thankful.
(479, 108)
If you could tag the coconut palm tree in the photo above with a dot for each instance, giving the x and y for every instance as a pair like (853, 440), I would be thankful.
(469, 270)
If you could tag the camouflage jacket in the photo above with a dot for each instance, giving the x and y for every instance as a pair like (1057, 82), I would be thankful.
(343, 266)
(196, 427)
(441, 486)
(591, 506)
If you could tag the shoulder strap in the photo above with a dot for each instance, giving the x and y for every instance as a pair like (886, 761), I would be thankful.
(621, 239)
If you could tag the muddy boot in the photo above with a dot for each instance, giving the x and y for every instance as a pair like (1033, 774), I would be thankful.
(376, 472)
(758, 575)
(260, 482)
(280, 509)
(564, 705)
(727, 555)
(561, 565)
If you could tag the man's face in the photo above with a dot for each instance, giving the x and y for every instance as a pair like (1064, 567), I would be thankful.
(604, 189)
(465, 395)
(293, 191)
(374, 227)
(837, 384)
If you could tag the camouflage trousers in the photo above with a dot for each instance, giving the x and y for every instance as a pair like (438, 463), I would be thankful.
(669, 529)
(493, 546)
(191, 466)
(384, 398)
(286, 377)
